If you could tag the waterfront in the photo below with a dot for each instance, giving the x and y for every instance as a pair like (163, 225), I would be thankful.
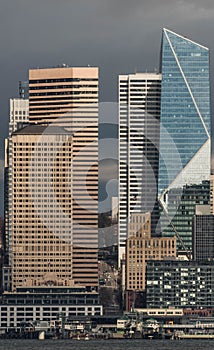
(138, 344)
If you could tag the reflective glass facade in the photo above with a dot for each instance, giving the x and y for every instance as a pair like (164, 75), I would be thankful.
(185, 115)
(184, 209)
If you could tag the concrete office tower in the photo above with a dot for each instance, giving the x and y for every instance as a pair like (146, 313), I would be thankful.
(68, 97)
(19, 112)
(140, 248)
(41, 206)
(139, 114)
(185, 122)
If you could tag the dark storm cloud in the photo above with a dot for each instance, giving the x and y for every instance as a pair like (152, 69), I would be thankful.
(150, 5)
(153, 8)
(119, 36)
(90, 31)
(46, 26)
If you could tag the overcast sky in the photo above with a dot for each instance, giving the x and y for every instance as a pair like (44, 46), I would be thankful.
(119, 36)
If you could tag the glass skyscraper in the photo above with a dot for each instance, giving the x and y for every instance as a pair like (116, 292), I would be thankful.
(185, 122)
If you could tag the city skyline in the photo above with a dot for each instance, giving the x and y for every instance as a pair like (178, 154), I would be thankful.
(106, 168)
(91, 33)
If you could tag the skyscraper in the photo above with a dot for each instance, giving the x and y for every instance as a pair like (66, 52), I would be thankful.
(41, 206)
(66, 96)
(61, 99)
(185, 120)
(139, 113)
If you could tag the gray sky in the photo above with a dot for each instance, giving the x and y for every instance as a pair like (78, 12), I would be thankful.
(119, 36)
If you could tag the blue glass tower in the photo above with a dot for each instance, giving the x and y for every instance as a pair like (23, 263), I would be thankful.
(185, 122)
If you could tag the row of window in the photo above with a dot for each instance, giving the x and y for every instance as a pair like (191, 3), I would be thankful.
(61, 80)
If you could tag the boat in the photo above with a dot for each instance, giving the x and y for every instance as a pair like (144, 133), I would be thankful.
(151, 329)
(198, 336)
(193, 335)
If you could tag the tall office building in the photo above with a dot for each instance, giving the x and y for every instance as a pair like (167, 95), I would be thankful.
(65, 96)
(41, 206)
(19, 112)
(139, 113)
(185, 121)
(68, 97)
(43, 267)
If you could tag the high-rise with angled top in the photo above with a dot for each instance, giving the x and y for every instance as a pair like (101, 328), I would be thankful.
(185, 129)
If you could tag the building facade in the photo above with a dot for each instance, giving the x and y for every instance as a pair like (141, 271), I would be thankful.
(140, 248)
(181, 206)
(41, 205)
(114, 209)
(24, 89)
(180, 284)
(203, 234)
(19, 112)
(47, 303)
(139, 114)
(68, 97)
(185, 121)
(212, 194)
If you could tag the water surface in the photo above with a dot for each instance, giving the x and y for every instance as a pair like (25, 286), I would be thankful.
(138, 344)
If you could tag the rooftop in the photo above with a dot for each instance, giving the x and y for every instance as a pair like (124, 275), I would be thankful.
(34, 129)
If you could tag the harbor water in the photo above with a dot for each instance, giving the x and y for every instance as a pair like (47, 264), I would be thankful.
(137, 344)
